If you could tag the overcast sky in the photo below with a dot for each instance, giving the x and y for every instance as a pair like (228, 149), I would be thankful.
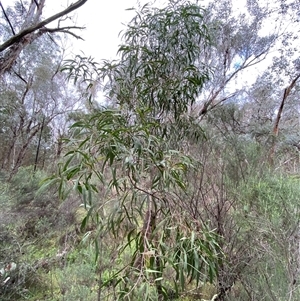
(103, 21)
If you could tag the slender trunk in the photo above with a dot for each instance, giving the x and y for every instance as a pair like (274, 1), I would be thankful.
(275, 130)
(7, 158)
(148, 228)
(59, 146)
(38, 146)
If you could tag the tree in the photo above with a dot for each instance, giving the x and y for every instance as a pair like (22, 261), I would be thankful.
(129, 149)
(242, 44)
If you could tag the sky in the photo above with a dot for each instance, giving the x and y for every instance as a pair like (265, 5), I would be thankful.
(104, 20)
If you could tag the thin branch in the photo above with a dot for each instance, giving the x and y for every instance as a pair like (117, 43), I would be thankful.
(20, 77)
(209, 104)
(37, 5)
(7, 19)
(72, 34)
(65, 30)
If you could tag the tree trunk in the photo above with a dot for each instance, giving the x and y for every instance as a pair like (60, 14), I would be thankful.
(275, 130)
(38, 146)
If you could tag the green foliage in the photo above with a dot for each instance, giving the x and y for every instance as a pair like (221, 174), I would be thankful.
(29, 236)
(160, 59)
(153, 179)
(269, 222)
(77, 280)
(25, 184)
(159, 67)
(132, 164)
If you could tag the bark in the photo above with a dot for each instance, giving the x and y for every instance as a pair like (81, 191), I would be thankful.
(275, 130)
(22, 151)
(16, 131)
(214, 99)
(148, 228)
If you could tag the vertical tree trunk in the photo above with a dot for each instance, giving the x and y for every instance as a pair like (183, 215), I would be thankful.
(275, 130)
(38, 146)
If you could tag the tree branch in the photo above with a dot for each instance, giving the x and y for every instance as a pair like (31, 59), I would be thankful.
(17, 38)
(275, 131)
(7, 19)
(37, 5)
(65, 30)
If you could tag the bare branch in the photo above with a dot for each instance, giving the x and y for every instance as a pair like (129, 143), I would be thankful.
(37, 5)
(65, 30)
(7, 19)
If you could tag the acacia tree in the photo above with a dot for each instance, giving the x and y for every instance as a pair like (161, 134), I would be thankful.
(130, 150)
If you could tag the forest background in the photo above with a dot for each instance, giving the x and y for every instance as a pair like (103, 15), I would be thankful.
(168, 173)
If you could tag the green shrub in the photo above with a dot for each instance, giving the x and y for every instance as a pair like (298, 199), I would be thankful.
(269, 223)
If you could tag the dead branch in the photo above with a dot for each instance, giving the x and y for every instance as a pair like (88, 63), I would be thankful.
(65, 30)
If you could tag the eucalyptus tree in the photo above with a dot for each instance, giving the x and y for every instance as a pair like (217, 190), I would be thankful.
(270, 106)
(129, 149)
(30, 97)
